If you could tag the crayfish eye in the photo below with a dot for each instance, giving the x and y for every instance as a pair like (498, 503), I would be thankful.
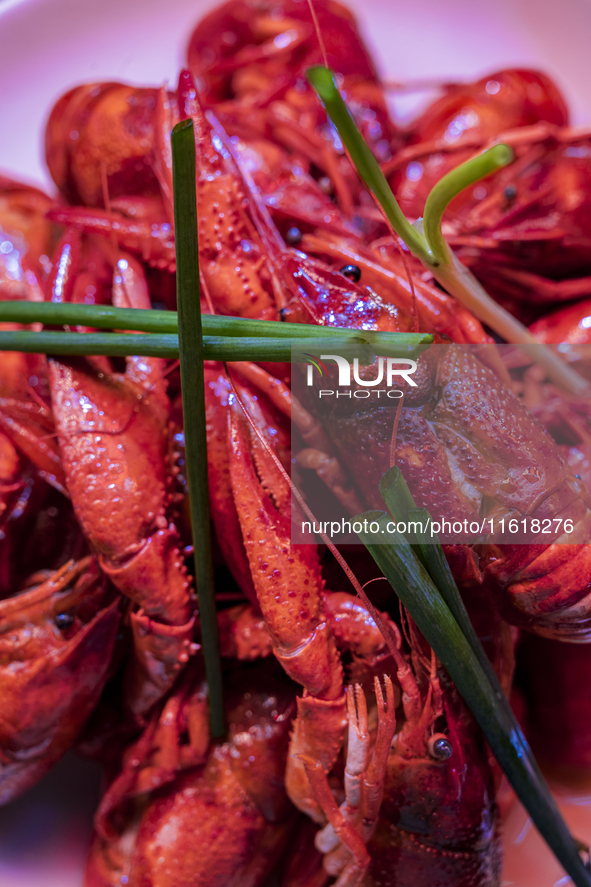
(293, 236)
(510, 192)
(63, 621)
(353, 272)
(440, 748)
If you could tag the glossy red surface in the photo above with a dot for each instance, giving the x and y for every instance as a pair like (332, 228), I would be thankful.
(47, 46)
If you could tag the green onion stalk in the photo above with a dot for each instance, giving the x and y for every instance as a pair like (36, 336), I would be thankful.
(192, 355)
(107, 317)
(420, 577)
(221, 348)
(224, 338)
(424, 238)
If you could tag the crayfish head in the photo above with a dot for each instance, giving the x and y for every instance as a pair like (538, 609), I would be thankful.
(221, 812)
(444, 797)
(56, 641)
(115, 131)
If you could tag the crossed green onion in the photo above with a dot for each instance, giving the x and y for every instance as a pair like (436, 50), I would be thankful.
(224, 338)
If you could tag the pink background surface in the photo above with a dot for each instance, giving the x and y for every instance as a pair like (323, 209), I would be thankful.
(47, 46)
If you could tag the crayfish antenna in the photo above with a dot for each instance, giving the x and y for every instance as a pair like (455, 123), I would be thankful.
(318, 33)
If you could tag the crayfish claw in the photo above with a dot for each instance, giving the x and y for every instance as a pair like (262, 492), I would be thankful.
(160, 653)
(52, 669)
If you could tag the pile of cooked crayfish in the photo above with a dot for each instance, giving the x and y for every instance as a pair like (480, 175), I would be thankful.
(345, 758)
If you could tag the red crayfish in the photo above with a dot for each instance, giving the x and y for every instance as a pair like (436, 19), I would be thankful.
(365, 735)
(523, 231)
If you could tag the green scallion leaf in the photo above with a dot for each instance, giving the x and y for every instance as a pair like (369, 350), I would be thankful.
(192, 355)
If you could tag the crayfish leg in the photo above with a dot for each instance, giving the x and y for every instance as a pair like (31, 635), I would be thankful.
(354, 872)
(364, 777)
(373, 787)
(286, 577)
(327, 839)
(288, 585)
